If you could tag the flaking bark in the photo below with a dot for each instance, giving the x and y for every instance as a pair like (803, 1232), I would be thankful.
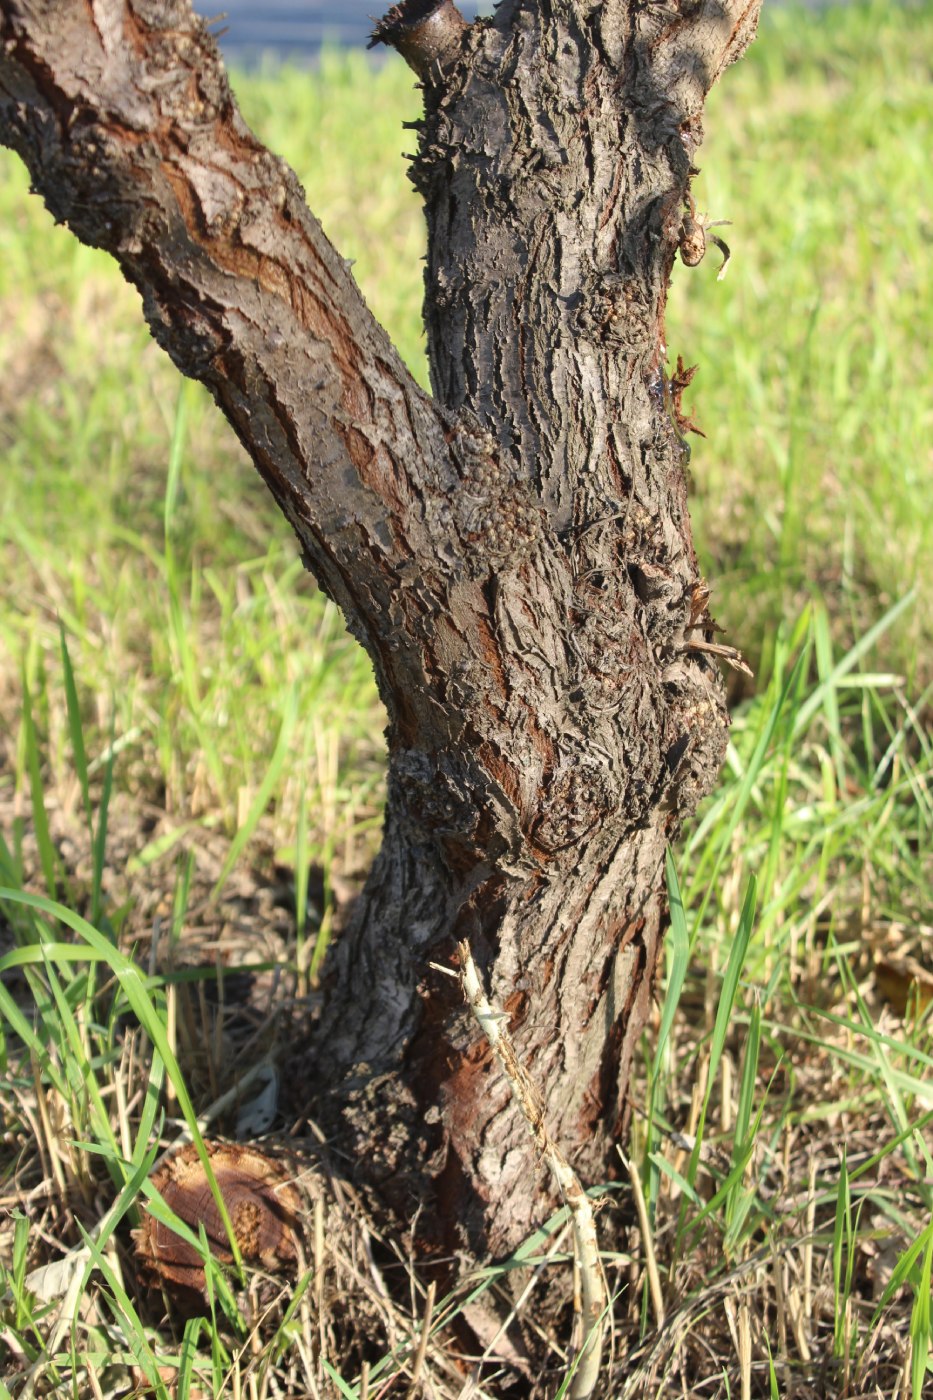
(514, 553)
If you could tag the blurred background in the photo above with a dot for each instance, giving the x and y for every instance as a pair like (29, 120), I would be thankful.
(297, 29)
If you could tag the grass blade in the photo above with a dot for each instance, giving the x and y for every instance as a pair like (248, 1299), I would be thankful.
(75, 728)
(842, 1235)
(99, 848)
(133, 985)
(730, 986)
(175, 459)
(921, 1358)
(40, 818)
(678, 944)
(266, 789)
(817, 699)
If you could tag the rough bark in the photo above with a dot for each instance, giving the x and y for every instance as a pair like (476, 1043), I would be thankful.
(514, 553)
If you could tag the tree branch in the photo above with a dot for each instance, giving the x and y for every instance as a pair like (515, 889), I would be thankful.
(122, 111)
(459, 548)
(684, 47)
(680, 48)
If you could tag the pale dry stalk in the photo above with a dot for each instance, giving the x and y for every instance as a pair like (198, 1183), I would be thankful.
(593, 1300)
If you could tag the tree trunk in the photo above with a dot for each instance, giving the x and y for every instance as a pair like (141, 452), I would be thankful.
(515, 553)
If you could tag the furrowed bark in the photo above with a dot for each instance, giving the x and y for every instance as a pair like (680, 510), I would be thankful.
(515, 553)
(555, 163)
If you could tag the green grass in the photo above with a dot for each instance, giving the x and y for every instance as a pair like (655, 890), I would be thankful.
(811, 391)
(183, 719)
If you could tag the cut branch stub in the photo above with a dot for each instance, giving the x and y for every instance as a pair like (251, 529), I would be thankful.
(263, 1205)
(426, 33)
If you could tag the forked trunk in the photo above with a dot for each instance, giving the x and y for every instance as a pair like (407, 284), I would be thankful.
(562, 717)
(515, 553)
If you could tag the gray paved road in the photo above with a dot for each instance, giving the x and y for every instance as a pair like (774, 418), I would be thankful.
(297, 28)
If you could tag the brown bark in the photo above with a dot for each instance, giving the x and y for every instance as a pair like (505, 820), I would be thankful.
(515, 553)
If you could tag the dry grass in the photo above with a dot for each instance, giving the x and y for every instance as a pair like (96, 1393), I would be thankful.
(764, 1275)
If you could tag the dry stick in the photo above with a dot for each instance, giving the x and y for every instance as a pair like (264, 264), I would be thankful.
(777, 1273)
(745, 1349)
(806, 1321)
(422, 1351)
(586, 1249)
(651, 1260)
(319, 1273)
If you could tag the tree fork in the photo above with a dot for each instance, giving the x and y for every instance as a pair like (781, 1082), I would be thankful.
(514, 553)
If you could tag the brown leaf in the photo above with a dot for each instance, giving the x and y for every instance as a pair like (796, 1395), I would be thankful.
(901, 979)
